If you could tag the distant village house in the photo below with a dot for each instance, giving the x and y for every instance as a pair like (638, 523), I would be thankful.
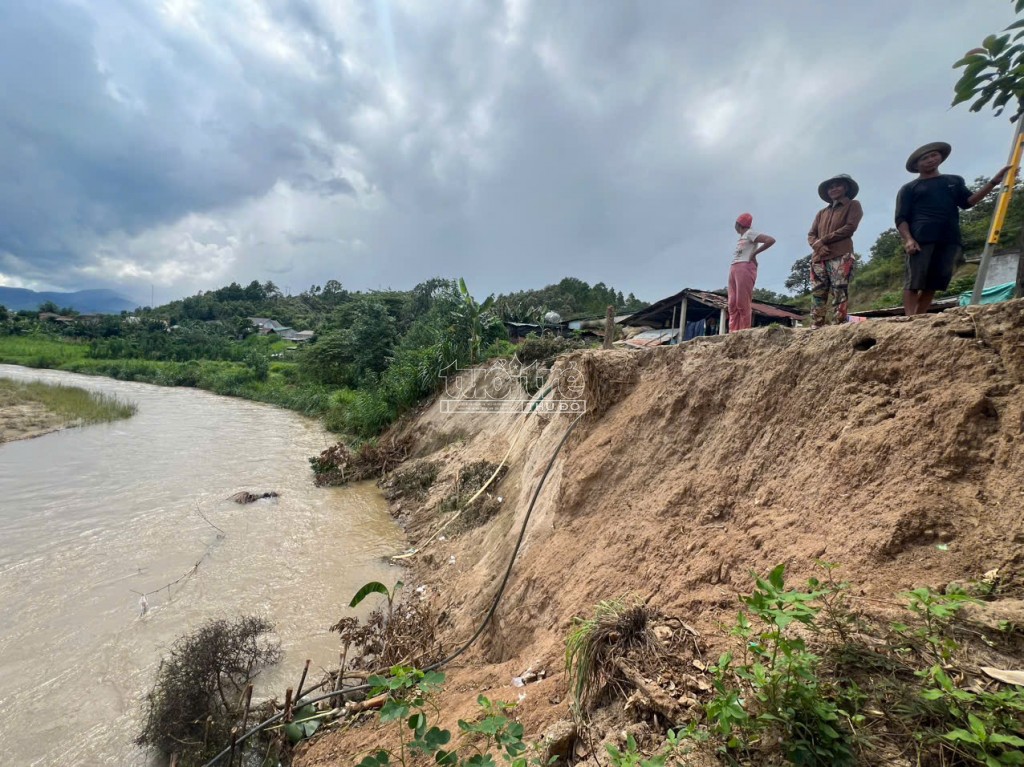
(266, 327)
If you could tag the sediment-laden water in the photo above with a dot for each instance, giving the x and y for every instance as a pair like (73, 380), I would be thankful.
(91, 517)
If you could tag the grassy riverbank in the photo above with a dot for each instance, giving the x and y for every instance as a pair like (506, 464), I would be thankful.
(278, 386)
(32, 409)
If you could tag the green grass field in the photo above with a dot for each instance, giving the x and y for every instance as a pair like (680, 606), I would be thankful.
(39, 351)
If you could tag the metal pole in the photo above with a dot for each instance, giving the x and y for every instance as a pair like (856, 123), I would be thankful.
(999, 214)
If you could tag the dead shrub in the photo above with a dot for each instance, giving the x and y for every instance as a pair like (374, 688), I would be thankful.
(543, 349)
(197, 696)
(413, 482)
(341, 464)
(596, 648)
(407, 635)
(468, 483)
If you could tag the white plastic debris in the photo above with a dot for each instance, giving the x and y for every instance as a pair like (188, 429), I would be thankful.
(451, 559)
(420, 589)
(517, 681)
(441, 538)
(143, 605)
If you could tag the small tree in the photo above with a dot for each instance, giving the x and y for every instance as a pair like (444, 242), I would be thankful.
(372, 338)
(994, 76)
(799, 279)
(328, 360)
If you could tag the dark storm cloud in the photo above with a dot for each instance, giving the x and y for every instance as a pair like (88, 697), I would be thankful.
(133, 135)
(383, 142)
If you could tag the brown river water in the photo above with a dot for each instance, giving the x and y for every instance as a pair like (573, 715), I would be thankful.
(90, 516)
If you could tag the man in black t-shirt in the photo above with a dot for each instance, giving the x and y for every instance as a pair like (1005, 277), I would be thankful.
(928, 220)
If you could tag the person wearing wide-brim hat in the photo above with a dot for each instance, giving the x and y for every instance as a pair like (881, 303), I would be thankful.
(928, 220)
(831, 241)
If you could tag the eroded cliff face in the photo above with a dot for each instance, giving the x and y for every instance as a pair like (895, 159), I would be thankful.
(891, 447)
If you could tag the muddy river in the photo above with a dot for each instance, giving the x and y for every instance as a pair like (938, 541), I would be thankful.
(92, 517)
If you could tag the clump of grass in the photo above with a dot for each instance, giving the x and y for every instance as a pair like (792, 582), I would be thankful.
(68, 402)
(594, 647)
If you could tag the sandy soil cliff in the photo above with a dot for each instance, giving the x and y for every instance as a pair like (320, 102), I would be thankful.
(893, 447)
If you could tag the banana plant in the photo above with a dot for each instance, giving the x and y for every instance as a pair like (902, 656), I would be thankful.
(477, 317)
(376, 587)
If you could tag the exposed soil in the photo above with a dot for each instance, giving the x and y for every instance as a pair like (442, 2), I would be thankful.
(892, 447)
(26, 420)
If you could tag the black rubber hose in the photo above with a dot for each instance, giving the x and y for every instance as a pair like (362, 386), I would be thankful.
(472, 640)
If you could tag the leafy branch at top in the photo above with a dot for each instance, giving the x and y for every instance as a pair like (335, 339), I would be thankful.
(993, 75)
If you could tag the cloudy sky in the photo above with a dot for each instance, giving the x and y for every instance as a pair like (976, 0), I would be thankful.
(187, 143)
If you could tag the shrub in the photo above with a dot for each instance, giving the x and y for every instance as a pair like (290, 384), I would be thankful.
(500, 348)
(258, 363)
(408, 691)
(545, 348)
(779, 696)
(197, 696)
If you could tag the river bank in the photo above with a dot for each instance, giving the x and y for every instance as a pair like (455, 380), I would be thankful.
(891, 448)
(24, 420)
(32, 409)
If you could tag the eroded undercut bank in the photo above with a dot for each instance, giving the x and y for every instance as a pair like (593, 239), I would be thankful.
(853, 494)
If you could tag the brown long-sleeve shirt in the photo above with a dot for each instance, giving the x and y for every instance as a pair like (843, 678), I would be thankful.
(835, 226)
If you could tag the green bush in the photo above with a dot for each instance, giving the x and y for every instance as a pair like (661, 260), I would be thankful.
(500, 348)
(775, 693)
(545, 348)
(258, 363)
(408, 691)
(368, 414)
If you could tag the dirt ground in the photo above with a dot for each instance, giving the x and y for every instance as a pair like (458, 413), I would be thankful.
(26, 420)
(892, 447)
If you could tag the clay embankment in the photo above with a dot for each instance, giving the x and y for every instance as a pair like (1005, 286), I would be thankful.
(891, 447)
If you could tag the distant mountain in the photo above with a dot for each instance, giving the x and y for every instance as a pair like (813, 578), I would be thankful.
(83, 301)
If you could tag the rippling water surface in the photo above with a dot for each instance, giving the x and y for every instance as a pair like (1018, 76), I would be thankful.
(89, 517)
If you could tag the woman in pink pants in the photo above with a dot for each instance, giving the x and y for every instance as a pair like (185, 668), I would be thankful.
(743, 272)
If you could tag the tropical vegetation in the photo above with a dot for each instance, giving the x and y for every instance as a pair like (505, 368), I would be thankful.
(374, 355)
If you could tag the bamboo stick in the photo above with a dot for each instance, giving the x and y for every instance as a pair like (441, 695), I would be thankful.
(302, 680)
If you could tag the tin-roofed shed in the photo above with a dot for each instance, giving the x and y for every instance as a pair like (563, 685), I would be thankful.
(693, 313)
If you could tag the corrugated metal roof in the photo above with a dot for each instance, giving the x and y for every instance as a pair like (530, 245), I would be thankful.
(712, 300)
(653, 337)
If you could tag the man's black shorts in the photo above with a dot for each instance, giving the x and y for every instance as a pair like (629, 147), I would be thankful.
(931, 268)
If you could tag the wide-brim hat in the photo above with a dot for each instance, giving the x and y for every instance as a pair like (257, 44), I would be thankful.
(936, 146)
(852, 187)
